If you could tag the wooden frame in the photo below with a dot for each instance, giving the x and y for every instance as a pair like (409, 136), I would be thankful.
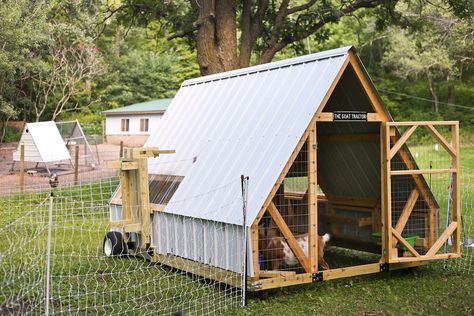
(390, 235)
(388, 153)
(137, 209)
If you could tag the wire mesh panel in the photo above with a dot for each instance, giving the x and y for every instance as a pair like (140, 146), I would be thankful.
(23, 227)
(423, 170)
(94, 269)
(466, 262)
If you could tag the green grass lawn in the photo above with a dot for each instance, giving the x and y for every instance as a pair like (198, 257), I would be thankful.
(84, 282)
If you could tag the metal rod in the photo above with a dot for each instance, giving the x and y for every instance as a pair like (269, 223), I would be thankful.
(448, 216)
(48, 251)
(244, 184)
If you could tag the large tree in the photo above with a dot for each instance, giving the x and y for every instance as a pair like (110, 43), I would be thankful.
(230, 34)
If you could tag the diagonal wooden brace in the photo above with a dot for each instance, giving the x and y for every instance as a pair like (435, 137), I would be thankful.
(403, 219)
(433, 131)
(442, 239)
(302, 258)
(405, 243)
(401, 141)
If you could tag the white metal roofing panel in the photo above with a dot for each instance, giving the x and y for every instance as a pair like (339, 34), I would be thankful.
(47, 145)
(246, 122)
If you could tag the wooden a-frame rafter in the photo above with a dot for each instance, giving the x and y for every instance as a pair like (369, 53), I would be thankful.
(379, 115)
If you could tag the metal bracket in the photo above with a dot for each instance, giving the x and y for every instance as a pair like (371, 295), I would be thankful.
(384, 267)
(317, 277)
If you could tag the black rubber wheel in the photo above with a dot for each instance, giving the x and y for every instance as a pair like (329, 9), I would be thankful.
(114, 244)
(264, 294)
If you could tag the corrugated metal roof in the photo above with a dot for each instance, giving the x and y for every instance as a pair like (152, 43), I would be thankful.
(246, 122)
(145, 107)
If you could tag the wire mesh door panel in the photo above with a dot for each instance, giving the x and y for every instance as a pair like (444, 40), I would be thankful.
(420, 198)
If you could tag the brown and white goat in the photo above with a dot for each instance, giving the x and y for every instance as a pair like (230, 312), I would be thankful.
(276, 250)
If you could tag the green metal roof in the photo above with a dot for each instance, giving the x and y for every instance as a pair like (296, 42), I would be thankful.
(143, 107)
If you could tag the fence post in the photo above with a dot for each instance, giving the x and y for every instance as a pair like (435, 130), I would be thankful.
(244, 183)
(76, 165)
(121, 149)
(22, 167)
(48, 251)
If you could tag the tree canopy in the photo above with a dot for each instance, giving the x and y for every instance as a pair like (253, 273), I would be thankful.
(67, 58)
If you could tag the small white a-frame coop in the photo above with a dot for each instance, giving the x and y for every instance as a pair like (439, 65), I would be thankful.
(72, 134)
(322, 155)
(42, 144)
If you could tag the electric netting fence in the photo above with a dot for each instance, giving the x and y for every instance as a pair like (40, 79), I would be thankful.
(82, 280)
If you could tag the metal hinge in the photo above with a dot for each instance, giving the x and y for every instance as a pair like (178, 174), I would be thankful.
(317, 277)
(384, 267)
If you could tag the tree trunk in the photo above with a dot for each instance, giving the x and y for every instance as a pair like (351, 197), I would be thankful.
(216, 35)
(434, 94)
(451, 93)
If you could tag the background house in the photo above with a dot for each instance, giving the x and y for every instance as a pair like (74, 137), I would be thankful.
(132, 124)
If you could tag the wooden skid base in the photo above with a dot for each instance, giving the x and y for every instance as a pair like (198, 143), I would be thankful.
(303, 278)
(200, 269)
(277, 279)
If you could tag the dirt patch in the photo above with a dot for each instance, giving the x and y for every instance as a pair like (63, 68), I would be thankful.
(37, 175)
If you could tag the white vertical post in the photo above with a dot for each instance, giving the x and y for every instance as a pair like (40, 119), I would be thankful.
(244, 183)
(48, 251)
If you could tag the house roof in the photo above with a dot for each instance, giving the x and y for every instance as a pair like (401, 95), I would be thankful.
(154, 106)
(243, 122)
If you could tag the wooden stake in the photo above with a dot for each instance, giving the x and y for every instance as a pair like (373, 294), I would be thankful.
(386, 193)
(22, 166)
(121, 149)
(456, 195)
(76, 165)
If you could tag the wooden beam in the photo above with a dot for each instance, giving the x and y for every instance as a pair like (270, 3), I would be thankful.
(125, 186)
(339, 219)
(135, 228)
(368, 202)
(292, 243)
(422, 171)
(119, 223)
(312, 202)
(304, 278)
(369, 137)
(325, 117)
(351, 271)
(76, 164)
(401, 141)
(442, 239)
(441, 140)
(405, 243)
(374, 117)
(406, 212)
(22, 167)
(456, 193)
(424, 258)
(329, 117)
(423, 123)
(200, 269)
(386, 194)
(144, 202)
(275, 273)
(368, 87)
(255, 250)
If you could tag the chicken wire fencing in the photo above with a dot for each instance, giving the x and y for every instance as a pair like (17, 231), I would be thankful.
(52, 257)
